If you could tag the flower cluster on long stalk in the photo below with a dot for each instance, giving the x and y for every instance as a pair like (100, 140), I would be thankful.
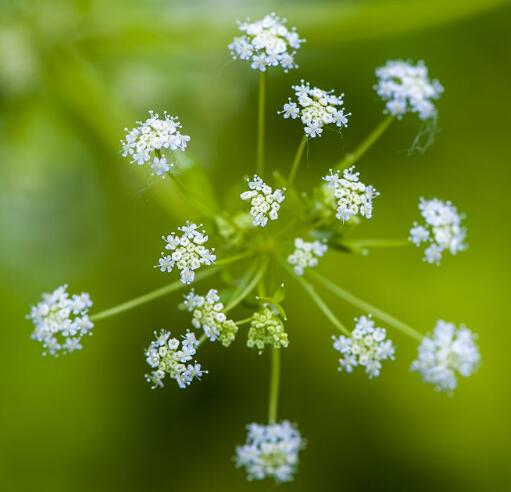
(290, 239)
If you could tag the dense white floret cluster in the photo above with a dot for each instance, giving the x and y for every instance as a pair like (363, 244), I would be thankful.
(270, 451)
(442, 230)
(315, 108)
(60, 321)
(144, 144)
(306, 255)
(266, 43)
(208, 315)
(167, 355)
(367, 347)
(406, 88)
(264, 201)
(446, 352)
(266, 330)
(188, 252)
(353, 197)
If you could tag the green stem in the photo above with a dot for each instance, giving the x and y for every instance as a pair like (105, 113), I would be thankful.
(244, 321)
(247, 289)
(260, 124)
(202, 339)
(167, 289)
(317, 299)
(362, 245)
(365, 306)
(366, 144)
(297, 160)
(192, 199)
(274, 385)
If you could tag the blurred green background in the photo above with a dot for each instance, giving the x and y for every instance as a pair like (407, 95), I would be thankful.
(74, 73)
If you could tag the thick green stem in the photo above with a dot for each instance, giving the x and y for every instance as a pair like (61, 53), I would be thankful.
(167, 289)
(362, 246)
(317, 299)
(260, 124)
(372, 138)
(274, 385)
(365, 306)
(249, 287)
(297, 160)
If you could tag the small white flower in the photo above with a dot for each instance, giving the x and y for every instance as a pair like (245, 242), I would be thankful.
(188, 252)
(446, 352)
(264, 201)
(316, 108)
(208, 315)
(166, 355)
(266, 43)
(61, 321)
(406, 88)
(352, 196)
(367, 347)
(306, 255)
(442, 229)
(270, 451)
(145, 143)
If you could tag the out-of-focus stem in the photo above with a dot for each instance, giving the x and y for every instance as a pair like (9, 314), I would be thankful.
(260, 123)
(274, 385)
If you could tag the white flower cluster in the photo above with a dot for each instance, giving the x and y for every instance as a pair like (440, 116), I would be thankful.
(266, 329)
(271, 451)
(61, 321)
(188, 252)
(367, 347)
(306, 255)
(442, 230)
(208, 314)
(168, 355)
(406, 88)
(353, 197)
(145, 142)
(315, 108)
(266, 43)
(264, 201)
(444, 353)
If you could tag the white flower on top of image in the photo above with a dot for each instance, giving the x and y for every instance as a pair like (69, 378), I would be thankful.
(446, 352)
(60, 321)
(188, 252)
(366, 347)
(264, 201)
(208, 315)
(352, 196)
(145, 143)
(169, 356)
(315, 108)
(306, 255)
(266, 43)
(406, 88)
(441, 230)
(270, 451)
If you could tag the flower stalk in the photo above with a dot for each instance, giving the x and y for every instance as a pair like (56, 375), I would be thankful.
(297, 160)
(261, 123)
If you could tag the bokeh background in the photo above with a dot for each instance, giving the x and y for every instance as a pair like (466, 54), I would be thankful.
(74, 73)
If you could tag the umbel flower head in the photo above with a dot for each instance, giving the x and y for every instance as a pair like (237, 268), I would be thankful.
(60, 321)
(266, 43)
(441, 231)
(208, 314)
(167, 355)
(306, 255)
(188, 252)
(315, 108)
(353, 197)
(266, 330)
(264, 201)
(446, 352)
(367, 347)
(144, 143)
(406, 88)
(271, 451)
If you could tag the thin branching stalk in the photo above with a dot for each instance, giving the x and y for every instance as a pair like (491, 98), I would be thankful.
(260, 124)
(248, 287)
(297, 160)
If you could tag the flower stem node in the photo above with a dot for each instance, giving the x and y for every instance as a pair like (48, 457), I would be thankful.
(264, 201)
(270, 451)
(266, 329)
(61, 321)
(167, 355)
(188, 252)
